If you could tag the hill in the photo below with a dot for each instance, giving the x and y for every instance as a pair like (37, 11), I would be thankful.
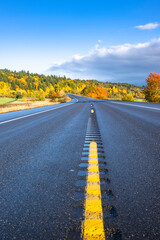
(38, 87)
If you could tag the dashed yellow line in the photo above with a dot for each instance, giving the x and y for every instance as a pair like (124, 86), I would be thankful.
(92, 226)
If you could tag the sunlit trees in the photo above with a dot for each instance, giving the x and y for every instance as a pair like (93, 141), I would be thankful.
(128, 97)
(38, 87)
(40, 96)
(5, 89)
(152, 91)
(94, 92)
(57, 96)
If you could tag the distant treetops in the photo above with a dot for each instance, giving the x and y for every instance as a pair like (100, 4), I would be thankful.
(31, 86)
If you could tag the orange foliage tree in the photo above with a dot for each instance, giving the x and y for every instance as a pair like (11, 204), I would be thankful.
(152, 91)
(94, 92)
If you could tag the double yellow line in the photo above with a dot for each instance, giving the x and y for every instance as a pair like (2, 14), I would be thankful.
(92, 226)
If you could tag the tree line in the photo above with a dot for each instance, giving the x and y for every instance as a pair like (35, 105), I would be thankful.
(27, 85)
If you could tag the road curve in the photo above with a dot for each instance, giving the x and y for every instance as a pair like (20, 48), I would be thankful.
(40, 156)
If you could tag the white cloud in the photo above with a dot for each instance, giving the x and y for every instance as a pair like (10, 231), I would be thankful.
(125, 63)
(99, 41)
(148, 26)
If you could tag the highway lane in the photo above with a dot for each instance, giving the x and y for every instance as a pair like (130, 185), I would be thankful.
(131, 138)
(40, 158)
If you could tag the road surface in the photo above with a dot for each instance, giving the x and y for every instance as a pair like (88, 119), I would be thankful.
(41, 153)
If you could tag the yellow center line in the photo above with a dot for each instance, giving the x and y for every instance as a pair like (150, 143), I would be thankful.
(93, 150)
(93, 147)
(92, 226)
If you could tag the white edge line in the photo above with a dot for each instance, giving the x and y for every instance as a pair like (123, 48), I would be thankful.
(29, 115)
(135, 105)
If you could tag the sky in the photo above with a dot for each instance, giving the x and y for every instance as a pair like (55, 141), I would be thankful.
(107, 40)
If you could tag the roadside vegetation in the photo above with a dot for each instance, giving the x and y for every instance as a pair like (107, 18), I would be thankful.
(22, 105)
(152, 91)
(27, 86)
(24, 85)
(6, 100)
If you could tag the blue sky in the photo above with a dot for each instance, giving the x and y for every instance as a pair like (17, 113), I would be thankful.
(62, 37)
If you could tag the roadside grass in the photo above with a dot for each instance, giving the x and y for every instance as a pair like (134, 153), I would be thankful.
(135, 99)
(114, 99)
(22, 105)
(140, 100)
(6, 100)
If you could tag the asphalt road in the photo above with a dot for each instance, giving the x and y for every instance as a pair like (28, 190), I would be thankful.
(40, 153)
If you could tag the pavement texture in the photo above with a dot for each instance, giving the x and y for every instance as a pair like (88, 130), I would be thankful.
(39, 165)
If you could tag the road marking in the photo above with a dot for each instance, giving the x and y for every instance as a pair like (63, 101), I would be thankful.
(33, 114)
(92, 226)
(135, 105)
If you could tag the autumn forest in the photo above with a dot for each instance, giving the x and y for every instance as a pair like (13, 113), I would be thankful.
(25, 85)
